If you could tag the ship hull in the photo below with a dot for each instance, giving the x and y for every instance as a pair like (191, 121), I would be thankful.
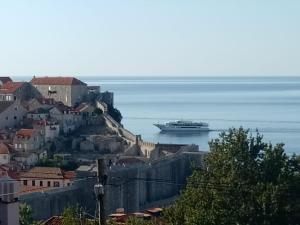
(164, 128)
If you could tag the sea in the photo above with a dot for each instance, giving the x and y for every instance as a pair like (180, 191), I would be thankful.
(270, 105)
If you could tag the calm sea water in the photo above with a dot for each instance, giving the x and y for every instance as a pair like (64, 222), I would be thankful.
(269, 104)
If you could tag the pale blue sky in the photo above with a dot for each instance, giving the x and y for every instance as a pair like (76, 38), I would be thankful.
(150, 37)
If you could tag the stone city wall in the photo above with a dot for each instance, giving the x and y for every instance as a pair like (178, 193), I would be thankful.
(132, 188)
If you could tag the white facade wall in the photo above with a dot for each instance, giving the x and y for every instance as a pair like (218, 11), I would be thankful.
(28, 160)
(51, 132)
(4, 159)
(35, 142)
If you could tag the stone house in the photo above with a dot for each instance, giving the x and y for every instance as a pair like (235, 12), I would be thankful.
(47, 177)
(4, 80)
(11, 113)
(87, 112)
(36, 103)
(4, 154)
(28, 140)
(11, 91)
(26, 159)
(86, 109)
(67, 90)
(68, 118)
(38, 114)
(49, 129)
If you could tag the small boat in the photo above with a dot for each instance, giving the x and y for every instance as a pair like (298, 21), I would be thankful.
(182, 125)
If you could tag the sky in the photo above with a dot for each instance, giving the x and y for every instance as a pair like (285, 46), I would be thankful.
(150, 37)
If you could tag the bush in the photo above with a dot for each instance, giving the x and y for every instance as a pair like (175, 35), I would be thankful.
(115, 114)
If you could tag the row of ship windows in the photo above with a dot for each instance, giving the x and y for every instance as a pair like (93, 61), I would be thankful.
(185, 127)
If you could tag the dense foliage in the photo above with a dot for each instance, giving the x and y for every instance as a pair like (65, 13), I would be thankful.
(74, 216)
(115, 114)
(67, 165)
(244, 181)
(98, 111)
(26, 215)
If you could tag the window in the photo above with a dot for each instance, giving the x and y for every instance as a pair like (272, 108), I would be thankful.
(49, 184)
(15, 117)
(16, 108)
(25, 182)
(6, 118)
(16, 145)
(33, 183)
(56, 184)
(41, 183)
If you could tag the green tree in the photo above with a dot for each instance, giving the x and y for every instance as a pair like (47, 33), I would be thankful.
(69, 216)
(115, 114)
(74, 216)
(25, 214)
(244, 181)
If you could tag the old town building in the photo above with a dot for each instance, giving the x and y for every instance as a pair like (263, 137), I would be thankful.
(67, 90)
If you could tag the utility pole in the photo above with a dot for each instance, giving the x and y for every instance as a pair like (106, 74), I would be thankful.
(99, 189)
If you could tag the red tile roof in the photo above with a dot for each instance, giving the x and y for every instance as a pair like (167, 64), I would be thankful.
(56, 81)
(10, 87)
(25, 133)
(69, 174)
(3, 149)
(82, 106)
(44, 173)
(5, 79)
(5, 170)
(55, 220)
(48, 173)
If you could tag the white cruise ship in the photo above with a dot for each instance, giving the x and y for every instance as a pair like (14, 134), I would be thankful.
(183, 126)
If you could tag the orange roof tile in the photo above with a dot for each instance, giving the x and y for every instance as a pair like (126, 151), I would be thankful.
(55, 220)
(10, 87)
(3, 149)
(56, 81)
(5, 79)
(25, 133)
(69, 174)
(48, 173)
(44, 172)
